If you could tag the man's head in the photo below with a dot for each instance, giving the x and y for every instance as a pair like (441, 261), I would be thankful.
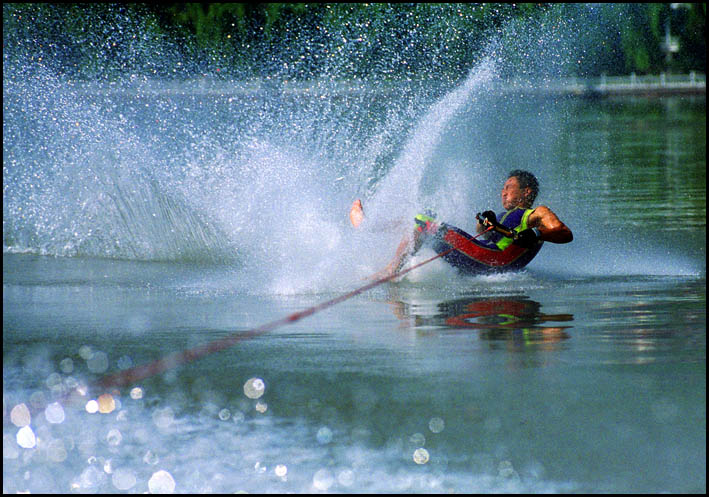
(520, 190)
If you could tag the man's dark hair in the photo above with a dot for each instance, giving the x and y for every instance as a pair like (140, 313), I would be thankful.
(526, 180)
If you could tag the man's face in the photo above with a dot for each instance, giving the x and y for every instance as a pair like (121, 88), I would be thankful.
(512, 195)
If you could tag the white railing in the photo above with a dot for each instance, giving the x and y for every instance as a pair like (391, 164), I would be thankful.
(649, 81)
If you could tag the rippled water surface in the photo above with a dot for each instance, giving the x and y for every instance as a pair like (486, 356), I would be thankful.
(525, 383)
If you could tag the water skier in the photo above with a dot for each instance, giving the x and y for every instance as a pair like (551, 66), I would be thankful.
(511, 240)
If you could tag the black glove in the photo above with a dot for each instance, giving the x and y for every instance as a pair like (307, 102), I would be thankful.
(487, 218)
(527, 238)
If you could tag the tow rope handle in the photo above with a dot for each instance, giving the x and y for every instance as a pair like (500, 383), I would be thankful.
(494, 225)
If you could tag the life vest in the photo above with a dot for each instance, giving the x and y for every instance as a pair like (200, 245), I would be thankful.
(514, 219)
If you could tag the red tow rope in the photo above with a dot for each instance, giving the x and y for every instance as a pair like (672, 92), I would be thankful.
(138, 373)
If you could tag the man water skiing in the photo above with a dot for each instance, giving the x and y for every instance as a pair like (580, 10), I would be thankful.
(520, 226)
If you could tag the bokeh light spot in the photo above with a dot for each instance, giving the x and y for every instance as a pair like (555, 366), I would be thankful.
(66, 365)
(92, 407)
(161, 482)
(436, 425)
(346, 478)
(54, 413)
(254, 388)
(20, 415)
(98, 363)
(421, 456)
(151, 458)
(281, 470)
(123, 479)
(323, 479)
(163, 418)
(26, 438)
(324, 435)
(417, 439)
(114, 437)
(106, 403)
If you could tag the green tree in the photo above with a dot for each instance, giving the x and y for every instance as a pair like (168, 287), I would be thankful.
(346, 40)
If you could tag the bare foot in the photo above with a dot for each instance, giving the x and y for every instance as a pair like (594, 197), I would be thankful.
(356, 213)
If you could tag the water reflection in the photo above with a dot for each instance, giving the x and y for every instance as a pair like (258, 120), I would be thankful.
(515, 319)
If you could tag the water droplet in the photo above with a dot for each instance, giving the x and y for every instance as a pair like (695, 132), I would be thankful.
(224, 414)
(281, 470)
(136, 393)
(151, 458)
(26, 438)
(91, 477)
(324, 435)
(20, 415)
(55, 382)
(161, 482)
(506, 470)
(417, 439)
(421, 456)
(66, 365)
(346, 478)
(436, 425)
(124, 362)
(54, 413)
(85, 352)
(238, 417)
(38, 399)
(98, 362)
(123, 479)
(163, 417)
(106, 403)
(114, 437)
(254, 388)
(92, 407)
(323, 479)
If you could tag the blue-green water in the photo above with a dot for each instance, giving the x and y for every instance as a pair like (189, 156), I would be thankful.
(142, 222)
(526, 383)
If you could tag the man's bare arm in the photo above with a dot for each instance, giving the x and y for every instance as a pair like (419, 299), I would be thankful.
(550, 226)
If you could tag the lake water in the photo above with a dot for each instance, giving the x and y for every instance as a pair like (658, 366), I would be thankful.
(144, 222)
